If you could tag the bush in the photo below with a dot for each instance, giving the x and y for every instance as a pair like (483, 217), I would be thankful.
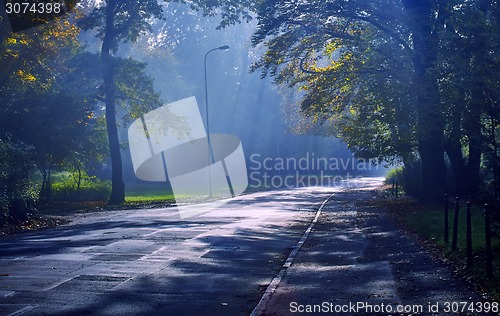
(17, 198)
(91, 189)
(408, 177)
(394, 174)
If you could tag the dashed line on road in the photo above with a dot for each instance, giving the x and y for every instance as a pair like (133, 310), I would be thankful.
(271, 288)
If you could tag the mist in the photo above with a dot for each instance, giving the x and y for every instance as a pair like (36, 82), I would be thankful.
(260, 113)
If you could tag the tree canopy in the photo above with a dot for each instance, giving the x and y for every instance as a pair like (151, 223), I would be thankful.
(51, 93)
(375, 70)
(116, 22)
(402, 81)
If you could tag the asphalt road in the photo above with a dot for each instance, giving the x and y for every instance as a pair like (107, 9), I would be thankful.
(146, 262)
(266, 253)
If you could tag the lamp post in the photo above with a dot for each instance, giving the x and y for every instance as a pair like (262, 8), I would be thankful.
(210, 150)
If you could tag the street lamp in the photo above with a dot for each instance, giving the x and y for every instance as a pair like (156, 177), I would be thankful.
(210, 150)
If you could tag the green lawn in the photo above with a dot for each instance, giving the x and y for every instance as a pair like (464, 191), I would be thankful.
(154, 193)
(148, 197)
(428, 222)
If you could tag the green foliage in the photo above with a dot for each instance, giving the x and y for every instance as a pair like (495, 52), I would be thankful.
(397, 80)
(394, 174)
(354, 72)
(230, 11)
(81, 187)
(135, 91)
(47, 98)
(17, 193)
(467, 64)
(120, 21)
(408, 178)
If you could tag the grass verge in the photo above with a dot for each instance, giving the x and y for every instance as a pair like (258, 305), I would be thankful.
(54, 213)
(426, 222)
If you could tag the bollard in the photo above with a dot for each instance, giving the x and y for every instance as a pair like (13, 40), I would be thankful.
(487, 235)
(446, 232)
(455, 226)
(469, 236)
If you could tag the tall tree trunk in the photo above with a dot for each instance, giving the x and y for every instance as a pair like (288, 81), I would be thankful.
(475, 141)
(453, 148)
(466, 172)
(456, 157)
(118, 186)
(479, 60)
(468, 121)
(430, 125)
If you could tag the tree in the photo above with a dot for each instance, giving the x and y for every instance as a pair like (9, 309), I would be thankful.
(124, 21)
(352, 62)
(116, 22)
(231, 11)
(371, 67)
(50, 91)
(16, 196)
(45, 104)
(424, 21)
(466, 71)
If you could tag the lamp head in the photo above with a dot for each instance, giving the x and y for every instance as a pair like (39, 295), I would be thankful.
(225, 47)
